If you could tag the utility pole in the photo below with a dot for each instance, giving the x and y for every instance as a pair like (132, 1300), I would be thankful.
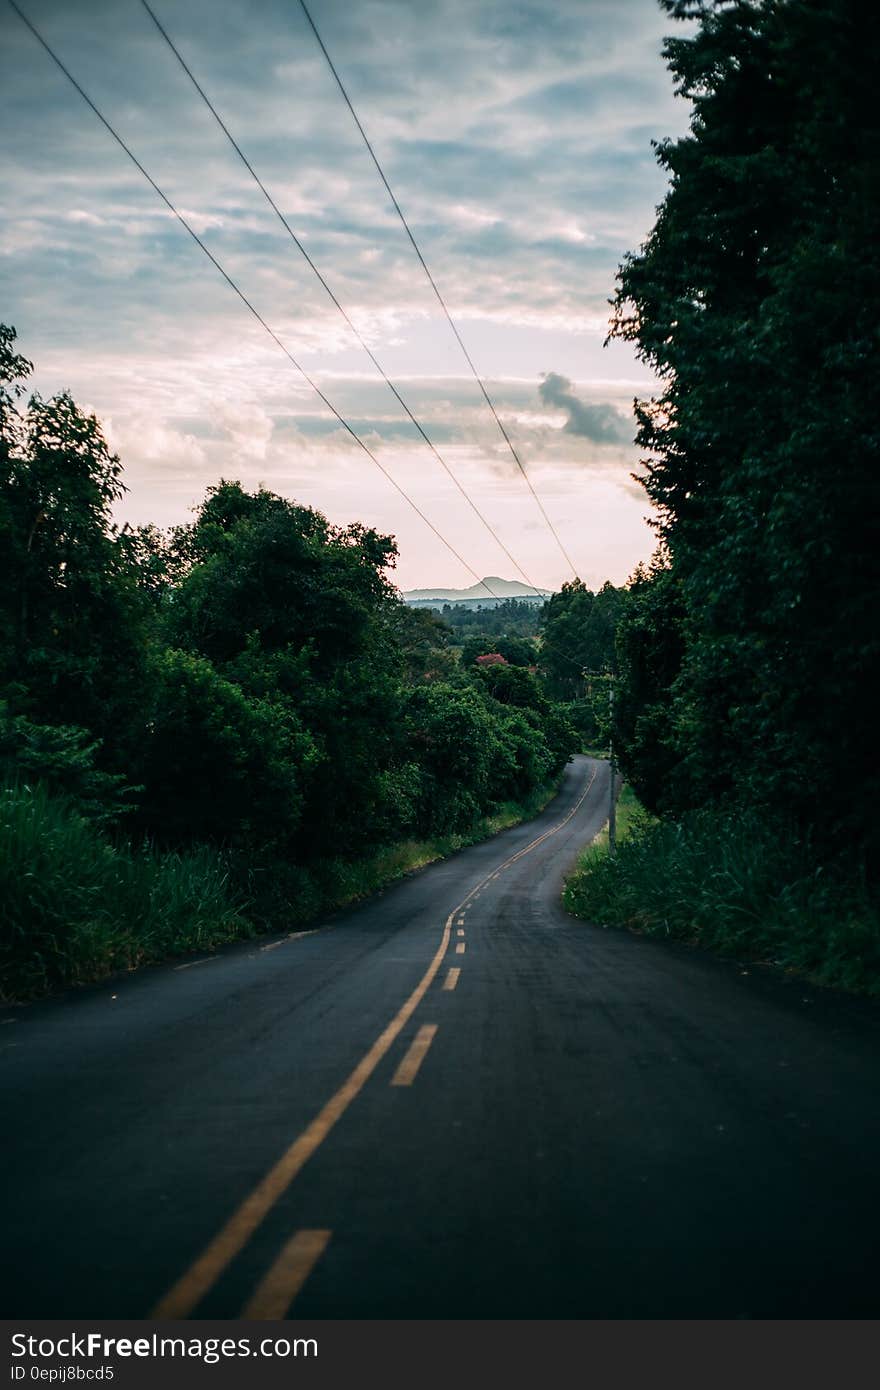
(612, 800)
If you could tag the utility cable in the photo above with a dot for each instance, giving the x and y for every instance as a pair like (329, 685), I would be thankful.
(247, 303)
(322, 280)
(440, 300)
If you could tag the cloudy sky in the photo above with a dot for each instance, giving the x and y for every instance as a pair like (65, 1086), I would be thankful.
(517, 137)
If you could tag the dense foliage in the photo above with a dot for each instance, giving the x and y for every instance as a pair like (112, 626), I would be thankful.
(512, 617)
(749, 654)
(578, 630)
(248, 685)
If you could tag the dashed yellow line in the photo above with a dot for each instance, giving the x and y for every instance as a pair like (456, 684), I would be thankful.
(415, 1056)
(461, 931)
(459, 949)
(203, 1273)
(280, 1285)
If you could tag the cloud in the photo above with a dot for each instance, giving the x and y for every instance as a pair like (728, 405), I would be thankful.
(517, 136)
(155, 448)
(248, 427)
(601, 423)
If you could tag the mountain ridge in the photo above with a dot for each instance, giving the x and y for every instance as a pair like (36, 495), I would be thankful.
(477, 593)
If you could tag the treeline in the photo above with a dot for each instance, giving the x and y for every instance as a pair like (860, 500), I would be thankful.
(748, 652)
(513, 617)
(234, 715)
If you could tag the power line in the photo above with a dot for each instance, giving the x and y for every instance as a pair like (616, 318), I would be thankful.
(247, 303)
(301, 248)
(433, 284)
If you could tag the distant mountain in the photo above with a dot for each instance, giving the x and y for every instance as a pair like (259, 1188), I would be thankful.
(501, 589)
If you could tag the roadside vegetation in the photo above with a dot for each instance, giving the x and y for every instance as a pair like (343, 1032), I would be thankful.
(224, 728)
(77, 906)
(747, 653)
(725, 883)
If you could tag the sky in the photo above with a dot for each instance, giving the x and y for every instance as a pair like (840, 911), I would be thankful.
(516, 135)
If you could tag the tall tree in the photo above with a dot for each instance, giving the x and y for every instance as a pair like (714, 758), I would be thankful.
(578, 629)
(71, 614)
(755, 299)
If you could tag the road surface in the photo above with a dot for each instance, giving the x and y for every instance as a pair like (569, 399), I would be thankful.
(454, 1101)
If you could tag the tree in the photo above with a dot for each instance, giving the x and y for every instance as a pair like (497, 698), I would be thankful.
(578, 628)
(301, 613)
(755, 300)
(424, 641)
(261, 564)
(72, 635)
(217, 765)
(650, 650)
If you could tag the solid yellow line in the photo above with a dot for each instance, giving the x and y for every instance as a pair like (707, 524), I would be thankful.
(406, 1072)
(459, 949)
(279, 1287)
(201, 1276)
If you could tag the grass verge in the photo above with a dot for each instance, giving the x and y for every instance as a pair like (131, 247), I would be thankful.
(740, 886)
(631, 816)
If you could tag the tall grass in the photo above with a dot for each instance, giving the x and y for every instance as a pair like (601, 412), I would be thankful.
(74, 906)
(741, 886)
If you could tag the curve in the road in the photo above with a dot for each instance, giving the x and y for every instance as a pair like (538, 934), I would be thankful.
(190, 1289)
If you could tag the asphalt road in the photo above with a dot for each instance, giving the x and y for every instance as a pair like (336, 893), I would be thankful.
(580, 1123)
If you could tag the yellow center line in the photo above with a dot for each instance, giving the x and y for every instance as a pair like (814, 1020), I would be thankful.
(280, 1285)
(204, 1272)
(459, 949)
(206, 1269)
(415, 1056)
